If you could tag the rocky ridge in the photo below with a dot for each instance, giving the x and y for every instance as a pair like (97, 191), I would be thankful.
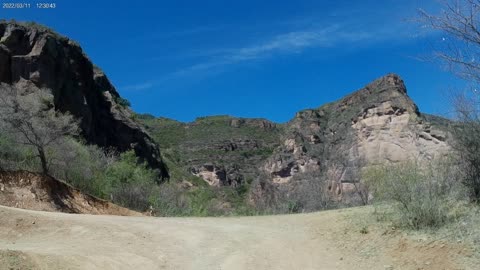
(374, 125)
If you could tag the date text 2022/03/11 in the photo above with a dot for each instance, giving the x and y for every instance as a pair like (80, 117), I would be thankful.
(21, 5)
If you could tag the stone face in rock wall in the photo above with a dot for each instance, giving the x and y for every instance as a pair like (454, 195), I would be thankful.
(374, 125)
(35, 54)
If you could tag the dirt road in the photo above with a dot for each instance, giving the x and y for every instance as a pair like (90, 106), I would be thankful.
(46, 240)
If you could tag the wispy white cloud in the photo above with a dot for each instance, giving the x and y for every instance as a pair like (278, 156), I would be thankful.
(295, 42)
(345, 31)
(291, 42)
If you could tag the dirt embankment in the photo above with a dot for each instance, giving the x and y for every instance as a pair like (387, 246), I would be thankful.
(37, 192)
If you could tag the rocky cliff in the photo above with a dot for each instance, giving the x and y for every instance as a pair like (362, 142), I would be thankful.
(32, 54)
(374, 125)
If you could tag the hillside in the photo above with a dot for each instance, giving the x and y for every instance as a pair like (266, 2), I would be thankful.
(323, 149)
(223, 150)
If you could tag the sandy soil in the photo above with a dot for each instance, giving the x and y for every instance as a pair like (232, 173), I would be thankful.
(325, 240)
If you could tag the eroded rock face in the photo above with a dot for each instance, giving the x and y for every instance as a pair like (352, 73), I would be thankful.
(217, 176)
(374, 125)
(386, 133)
(37, 55)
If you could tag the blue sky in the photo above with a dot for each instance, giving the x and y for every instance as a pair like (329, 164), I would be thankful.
(270, 59)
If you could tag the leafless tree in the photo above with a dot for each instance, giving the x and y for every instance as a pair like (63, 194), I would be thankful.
(459, 49)
(31, 120)
(467, 144)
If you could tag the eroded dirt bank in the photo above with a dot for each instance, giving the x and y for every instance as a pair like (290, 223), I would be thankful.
(33, 191)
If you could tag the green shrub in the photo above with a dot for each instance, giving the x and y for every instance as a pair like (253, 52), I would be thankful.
(16, 157)
(121, 179)
(200, 200)
(80, 165)
(122, 101)
(127, 170)
(128, 182)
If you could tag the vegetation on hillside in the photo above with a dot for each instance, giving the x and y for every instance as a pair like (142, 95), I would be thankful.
(36, 138)
(209, 140)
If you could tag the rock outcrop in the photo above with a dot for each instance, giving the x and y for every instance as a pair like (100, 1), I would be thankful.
(374, 125)
(36, 54)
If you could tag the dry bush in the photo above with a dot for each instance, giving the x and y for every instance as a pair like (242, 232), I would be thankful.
(263, 194)
(306, 192)
(133, 196)
(467, 143)
(169, 199)
(423, 194)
